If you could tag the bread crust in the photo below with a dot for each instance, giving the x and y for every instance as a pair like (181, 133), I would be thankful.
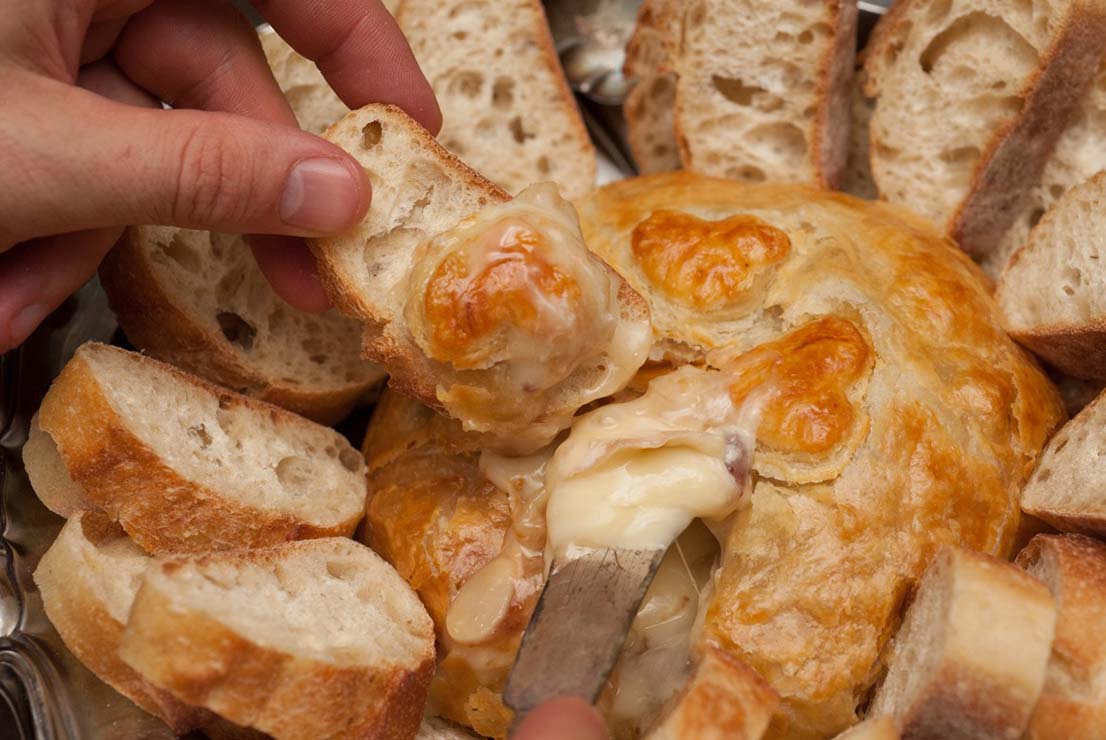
(1073, 704)
(157, 324)
(1016, 153)
(1019, 151)
(92, 634)
(205, 662)
(161, 510)
(834, 93)
(649, 63)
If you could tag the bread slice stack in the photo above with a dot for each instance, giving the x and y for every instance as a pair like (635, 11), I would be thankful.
(971, 99)
(1068, 487)
(506, 108)
(184, 465)
(87, 580)
(1053, 291)
(969, 660)
(1078, 156)
(311, 639)
(1073, 703)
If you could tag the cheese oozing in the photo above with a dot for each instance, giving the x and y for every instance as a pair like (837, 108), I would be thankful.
(634, 475)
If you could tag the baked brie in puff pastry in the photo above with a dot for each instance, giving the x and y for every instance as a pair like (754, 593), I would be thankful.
(489, 309)
(888, 415)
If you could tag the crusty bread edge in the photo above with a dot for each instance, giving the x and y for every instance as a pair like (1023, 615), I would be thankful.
(206, 663)
(128, 480)
(155, 323)
(830, 144)
(93, 635)
(340, 287)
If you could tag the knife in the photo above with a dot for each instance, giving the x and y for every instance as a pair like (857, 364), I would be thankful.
(579, 625)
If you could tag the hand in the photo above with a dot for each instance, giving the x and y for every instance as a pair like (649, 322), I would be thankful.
(85, 147)
(563, 718)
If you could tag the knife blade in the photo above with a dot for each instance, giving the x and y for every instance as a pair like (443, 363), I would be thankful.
(579, 625)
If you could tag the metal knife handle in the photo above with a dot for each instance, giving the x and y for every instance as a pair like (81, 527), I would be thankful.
(579, 626)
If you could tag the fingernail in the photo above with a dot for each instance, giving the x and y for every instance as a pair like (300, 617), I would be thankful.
(321, 195)
(27, 320)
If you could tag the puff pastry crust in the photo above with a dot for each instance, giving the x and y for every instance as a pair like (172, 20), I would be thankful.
(896, 416)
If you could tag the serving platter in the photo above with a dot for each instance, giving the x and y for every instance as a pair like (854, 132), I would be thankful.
(45, 693)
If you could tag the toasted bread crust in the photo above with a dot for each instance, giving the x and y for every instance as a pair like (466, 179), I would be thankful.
(155, 323)
(830, 145)
(93, 635)
(202, 661)
(1074, 568)
(160, 510)
(1077, 349)
(1018, 152)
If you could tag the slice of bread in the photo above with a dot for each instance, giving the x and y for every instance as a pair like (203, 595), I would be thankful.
(879, 728)
(313, 639)
(88, 579)
(971, 98)
(493, 312)
(1073, 703)
(858, 170)
(186, 466)
(1053, 292)
(763, 91)
(969, 660)
(649, 108)
(313, 101)
(198, 300)
(722, 699)
(1068, 487)
(1079, 154)
(506, 107)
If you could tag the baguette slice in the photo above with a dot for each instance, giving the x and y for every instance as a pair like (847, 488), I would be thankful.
(506, 107)
(314, 102)
(972, 96)
(88, 579)
(307, 640)
(1053, 292)
(649, 108)
(493, 312)
(1067, 489)
(1073, 704)
(723, 699)
(858, 171)
(879, 728)
(185, 466)
(764, 89)
(198, 300)
(1079, 154)
(969, 660)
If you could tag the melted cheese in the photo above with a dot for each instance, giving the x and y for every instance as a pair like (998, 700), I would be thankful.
(512, 303)
(635, 474)
(482, 604)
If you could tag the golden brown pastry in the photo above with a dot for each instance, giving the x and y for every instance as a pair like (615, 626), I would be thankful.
(894, 416)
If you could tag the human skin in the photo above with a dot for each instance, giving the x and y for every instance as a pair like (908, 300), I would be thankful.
(86, 148)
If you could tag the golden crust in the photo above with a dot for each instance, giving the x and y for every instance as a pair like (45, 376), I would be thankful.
(813, 574)
(86, 626)
(161, 510)
(1074, 568)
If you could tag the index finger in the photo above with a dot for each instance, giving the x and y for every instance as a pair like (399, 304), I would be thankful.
(359, 48)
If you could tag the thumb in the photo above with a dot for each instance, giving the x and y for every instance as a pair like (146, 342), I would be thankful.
(563, 718)
(217, 171)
